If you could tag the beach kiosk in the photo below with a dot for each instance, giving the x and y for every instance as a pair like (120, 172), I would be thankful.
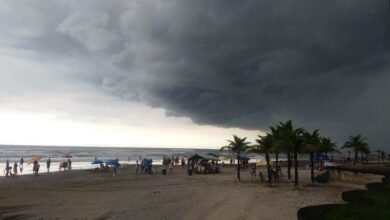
(204, 163)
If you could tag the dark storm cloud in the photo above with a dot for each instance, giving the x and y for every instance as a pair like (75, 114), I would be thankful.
(247, 64)
(254, 63)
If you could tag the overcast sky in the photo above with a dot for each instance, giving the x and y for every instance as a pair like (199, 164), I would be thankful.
(185, 73)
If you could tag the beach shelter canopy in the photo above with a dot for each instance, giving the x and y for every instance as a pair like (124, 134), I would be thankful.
(212, 154)
(244, 158)
(201, 156)
(66, 156)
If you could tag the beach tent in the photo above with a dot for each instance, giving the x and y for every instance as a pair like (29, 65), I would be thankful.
(212, 154)
(202, 156)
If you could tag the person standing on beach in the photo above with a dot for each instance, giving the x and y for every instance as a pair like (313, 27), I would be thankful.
(21, 164)
(136, 166)
(48, 162)
(7, 168)
(69, 164)
(36, 167)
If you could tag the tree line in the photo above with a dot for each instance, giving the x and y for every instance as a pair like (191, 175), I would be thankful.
(286, 139)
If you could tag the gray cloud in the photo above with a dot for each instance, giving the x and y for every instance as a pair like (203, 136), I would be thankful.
(247, 64)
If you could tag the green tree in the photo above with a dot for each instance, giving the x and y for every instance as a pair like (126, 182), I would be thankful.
(281, 146)
(328, 146)
(356, 143)
(237, 146)
(312, 144)
(264, 145)
(292, 138)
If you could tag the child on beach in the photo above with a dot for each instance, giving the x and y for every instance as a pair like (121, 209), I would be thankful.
(36, 168)
(15, 169)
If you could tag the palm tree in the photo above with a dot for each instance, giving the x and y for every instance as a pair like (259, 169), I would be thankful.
(293, 139)
(355, 143)
(328, 146)
(312, 145)
(279, 146)
(264, 145)
(237, 145)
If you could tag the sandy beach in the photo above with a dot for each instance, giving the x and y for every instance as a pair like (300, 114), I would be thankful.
(84, 194)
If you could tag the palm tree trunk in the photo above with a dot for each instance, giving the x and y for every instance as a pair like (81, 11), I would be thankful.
(356, 157)
(268, 168)
(312, 167)
(277, 158)
(289, 165)
(296, 168)
(318, 160)
(361, 156)
(238, 167)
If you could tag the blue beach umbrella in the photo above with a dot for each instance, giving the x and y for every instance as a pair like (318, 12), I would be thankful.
(112, 162)
(97, 162)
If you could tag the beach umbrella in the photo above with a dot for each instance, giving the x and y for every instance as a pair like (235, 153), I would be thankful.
(34, 158)
(97, 162)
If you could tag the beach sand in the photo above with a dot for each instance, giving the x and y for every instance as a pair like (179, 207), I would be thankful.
(84, 194)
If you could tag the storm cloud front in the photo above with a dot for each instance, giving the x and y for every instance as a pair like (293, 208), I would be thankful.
(246, 64)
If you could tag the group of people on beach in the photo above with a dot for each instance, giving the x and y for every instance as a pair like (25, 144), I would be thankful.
(13, 170)
(18, 168)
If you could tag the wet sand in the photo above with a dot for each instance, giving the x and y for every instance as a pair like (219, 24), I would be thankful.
(84, 194)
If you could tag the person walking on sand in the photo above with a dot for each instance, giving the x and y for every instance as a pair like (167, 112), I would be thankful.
(253, 172)
(170, 166)
(48, 162)
(15, 168)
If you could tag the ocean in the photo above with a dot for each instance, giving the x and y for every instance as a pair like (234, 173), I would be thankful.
(83, 156)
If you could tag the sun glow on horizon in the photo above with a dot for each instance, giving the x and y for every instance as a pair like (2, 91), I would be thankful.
(21, 128)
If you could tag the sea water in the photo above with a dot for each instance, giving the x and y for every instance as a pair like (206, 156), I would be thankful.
(83, 156)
